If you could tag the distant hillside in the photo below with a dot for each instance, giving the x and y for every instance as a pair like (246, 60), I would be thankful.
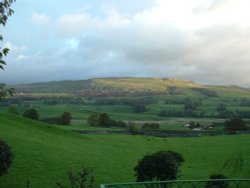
(106, 84)
(128, 85)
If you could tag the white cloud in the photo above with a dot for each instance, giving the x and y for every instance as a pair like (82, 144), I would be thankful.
(40, 19)
(205, 41)
(72, 24)
(23, 57)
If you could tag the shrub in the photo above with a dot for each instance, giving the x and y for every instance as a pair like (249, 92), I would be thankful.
(103, 120)
(93, 120)
(163, 165)
(6, 157)
(217, 184)
(83, 179)
(193, 125)
(131, 128)
(31, 113)
(120, 124)
(235, 124)
(65, 118)
(12, 109)
(151, 126)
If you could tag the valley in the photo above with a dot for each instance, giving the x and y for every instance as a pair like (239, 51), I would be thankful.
(45, 151)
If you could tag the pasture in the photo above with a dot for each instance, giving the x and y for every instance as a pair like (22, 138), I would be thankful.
(44, 153)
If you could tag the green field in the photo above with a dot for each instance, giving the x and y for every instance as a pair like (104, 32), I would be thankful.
(162, 99)
(44, 153)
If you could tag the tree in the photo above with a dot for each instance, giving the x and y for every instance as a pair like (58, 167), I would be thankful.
(221, 107)
(93, 120)
(139, 108)
(131, 128)
(104, 120)
(190, 105)
(5, 12)
(163, 165)
(6, 157)
(66, 118)
(31, 113)
(235, 124)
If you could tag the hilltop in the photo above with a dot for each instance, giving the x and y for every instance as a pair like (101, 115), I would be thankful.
(126, 85)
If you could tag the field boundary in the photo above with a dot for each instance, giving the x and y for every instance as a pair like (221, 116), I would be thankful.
(161, 133)
(234, 183)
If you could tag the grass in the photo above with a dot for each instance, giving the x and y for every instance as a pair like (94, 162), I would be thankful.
(43, 154)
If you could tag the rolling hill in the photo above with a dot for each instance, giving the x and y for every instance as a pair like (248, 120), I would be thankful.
(157, 86)
(44, 153)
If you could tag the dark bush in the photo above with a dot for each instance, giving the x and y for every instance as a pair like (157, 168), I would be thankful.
(217, 184)
(103, 120)
(6, 157)
(31, 113)
(12, 109)
(163, 165)
(65, 118)
(93, 120)
(235, 124)
(131, 128)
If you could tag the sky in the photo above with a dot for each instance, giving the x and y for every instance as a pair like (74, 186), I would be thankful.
(204, 41)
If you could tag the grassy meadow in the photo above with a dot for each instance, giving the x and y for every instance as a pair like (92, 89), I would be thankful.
(44, 153)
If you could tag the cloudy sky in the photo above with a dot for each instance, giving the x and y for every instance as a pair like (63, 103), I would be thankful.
(206, 41)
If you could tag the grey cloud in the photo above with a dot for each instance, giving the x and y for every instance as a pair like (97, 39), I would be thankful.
(133, 46)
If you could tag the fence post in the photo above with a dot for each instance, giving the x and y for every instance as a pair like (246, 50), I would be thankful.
(28, 183)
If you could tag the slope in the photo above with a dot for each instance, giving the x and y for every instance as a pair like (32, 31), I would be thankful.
(44, 153)
(114, 86)
(105, 84)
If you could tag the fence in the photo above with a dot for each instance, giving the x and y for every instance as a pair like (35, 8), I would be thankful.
(215, 183)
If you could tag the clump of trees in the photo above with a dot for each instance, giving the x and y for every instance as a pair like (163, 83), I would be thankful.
(221, 107)
(5, 12)
(160, 166)
(190, 105)
(150, 126)
(64, 119)
(235, 124)
(138, 105)
(6, 157)
(193, 125)
(104, 120)
(171, 112)
(31, 113)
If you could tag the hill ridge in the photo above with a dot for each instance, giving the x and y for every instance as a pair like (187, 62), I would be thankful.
(125, 85)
